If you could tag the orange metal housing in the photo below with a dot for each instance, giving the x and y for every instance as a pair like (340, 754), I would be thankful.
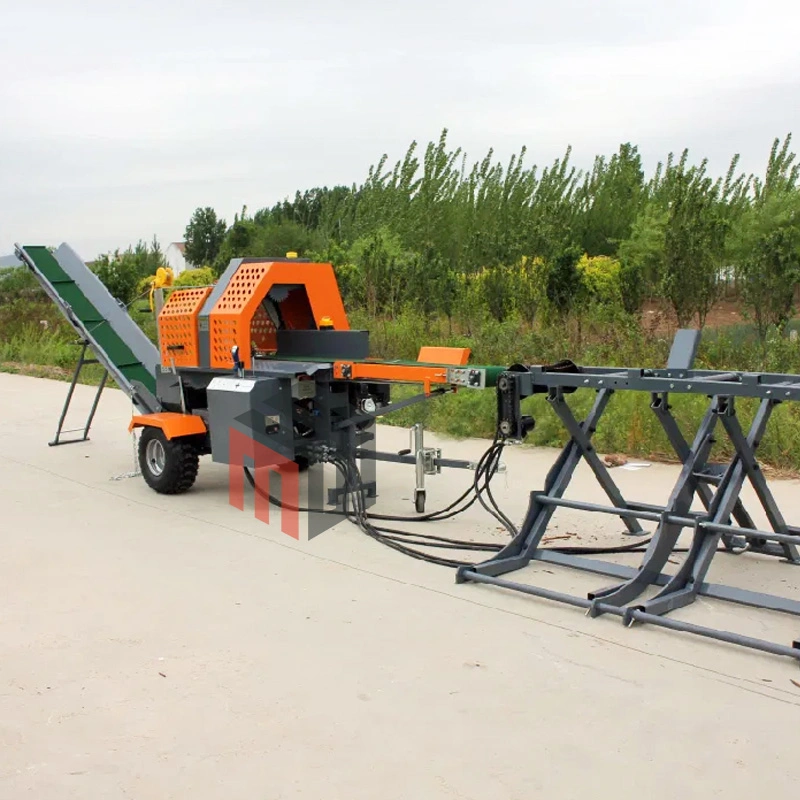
(238, 317)
(177, 327)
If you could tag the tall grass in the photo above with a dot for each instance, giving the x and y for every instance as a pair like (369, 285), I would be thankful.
(629, 425)
(32, 332)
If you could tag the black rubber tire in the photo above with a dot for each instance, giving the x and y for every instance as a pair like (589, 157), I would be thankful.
(181, 463)
(419, 502)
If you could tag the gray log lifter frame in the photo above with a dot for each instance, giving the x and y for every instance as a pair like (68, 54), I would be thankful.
(690, 381)
(724, 518)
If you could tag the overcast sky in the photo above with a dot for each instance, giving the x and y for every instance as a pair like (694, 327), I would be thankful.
(116, 123)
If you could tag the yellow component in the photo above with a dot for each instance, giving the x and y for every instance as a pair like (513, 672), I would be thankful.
(326, 323)
(291, 255)
(163, 279)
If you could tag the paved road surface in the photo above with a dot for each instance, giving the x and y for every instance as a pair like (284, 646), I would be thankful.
(157, 647)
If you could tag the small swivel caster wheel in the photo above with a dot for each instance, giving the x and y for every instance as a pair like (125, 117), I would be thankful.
(419, 501)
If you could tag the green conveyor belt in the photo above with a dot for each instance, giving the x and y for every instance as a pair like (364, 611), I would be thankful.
(100, 329)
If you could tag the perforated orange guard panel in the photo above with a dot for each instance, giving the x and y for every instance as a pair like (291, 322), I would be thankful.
(177, 326)
(230, 319)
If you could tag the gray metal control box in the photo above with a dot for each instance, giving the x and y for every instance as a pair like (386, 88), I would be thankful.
(259, 408)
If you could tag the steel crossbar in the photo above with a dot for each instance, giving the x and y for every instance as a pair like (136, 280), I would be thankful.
(724, 519)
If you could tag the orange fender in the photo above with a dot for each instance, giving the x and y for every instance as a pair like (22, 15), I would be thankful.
(174, 425)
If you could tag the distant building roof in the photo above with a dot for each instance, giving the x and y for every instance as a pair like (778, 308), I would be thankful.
(180, 245)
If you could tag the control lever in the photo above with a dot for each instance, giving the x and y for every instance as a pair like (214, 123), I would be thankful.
(238, 364)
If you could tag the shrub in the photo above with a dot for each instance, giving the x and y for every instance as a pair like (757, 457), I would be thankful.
(120, 277)
(600, 278)
(351, 284)
(498, 291)
(202, 276)
(561, 282)
(17, 282)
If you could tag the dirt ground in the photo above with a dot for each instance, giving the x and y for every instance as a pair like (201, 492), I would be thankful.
(659, 318)
(178, 647)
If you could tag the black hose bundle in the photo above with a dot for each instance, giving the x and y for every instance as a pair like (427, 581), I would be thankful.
(406, 542)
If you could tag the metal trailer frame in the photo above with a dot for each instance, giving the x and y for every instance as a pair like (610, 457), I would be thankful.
(724, 519)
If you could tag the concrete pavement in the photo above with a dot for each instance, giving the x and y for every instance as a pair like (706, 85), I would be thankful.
(176, 647)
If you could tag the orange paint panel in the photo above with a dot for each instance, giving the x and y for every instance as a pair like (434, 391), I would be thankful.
(173, 424)
(237, 310)
(398, 373)
(452, 356)
(231, 317)
(177, 327)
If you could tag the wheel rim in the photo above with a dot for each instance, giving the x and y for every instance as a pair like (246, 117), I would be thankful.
(155, 456)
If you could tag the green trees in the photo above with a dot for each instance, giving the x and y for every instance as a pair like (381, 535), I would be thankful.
(443, 234)
(264, 234)
(766, 243)
(642, 257)
(694, 238)
(122, 271)
(677, 243)
(769, 266)
(204, 236)
(610, 199)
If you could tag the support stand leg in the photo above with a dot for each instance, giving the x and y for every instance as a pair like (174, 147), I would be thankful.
(746, 449)
(589, 454)
(82, 361)
(684, 586)
(662, 409)
(666, 536)
(523, 547)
